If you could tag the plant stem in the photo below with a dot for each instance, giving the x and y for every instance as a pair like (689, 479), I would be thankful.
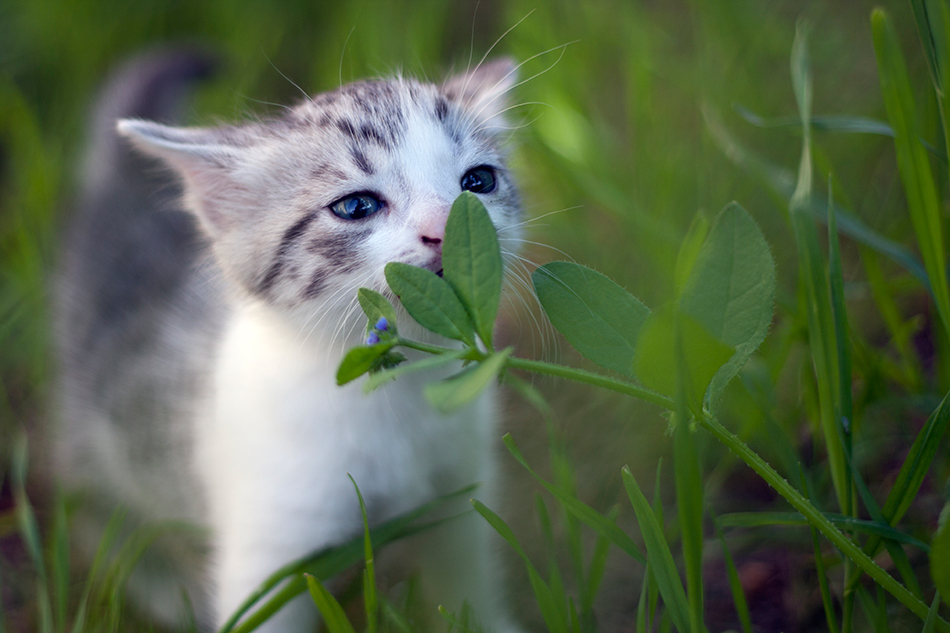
(471, 352)
(591, 378)
(759, 465)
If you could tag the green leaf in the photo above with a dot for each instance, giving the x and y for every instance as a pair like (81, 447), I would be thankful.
(598, 317)
(940, 556)
(658, 552)
(376, 380)
(360, 360)
(656, 357)
(430, 300)
(376, 306)
(471, 262)
(333, 615)
(448, 395)
(731, 290)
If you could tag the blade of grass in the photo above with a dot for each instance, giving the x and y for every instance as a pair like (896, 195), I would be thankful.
(454, 622)
(370, 601)
(788, 519)
(555, 582)
(60, 563)
(564, 479)
(597, 567)
(898, 555)
(330, 562)
(914, 468)
(897, 327)
(933, 25)
(106, 543)
(333, 615)
(689, 497)
(642, 623)
(821, 326)
(735, 583)
(585, 513)
(822, 573)
(545, 598)
(930, 624)
(872, 610)
(782, 184)
(658, 551)
(817, 519)
(912, 161)
(30, 533)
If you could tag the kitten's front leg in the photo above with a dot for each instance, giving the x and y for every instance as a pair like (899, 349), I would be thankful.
(263, 535)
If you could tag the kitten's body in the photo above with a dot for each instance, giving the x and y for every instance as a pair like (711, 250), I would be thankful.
(198, 364)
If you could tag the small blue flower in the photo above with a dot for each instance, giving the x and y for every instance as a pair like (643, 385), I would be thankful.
(372, 339)
(382, 325)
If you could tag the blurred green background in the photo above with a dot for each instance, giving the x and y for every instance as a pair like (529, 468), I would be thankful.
(622, 122)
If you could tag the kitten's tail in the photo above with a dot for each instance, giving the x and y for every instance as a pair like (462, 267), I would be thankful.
(125, 247)
(152, 86)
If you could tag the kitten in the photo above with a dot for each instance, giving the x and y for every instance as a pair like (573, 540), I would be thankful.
(202, 318)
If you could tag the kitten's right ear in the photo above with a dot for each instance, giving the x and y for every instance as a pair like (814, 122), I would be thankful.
(207, 159)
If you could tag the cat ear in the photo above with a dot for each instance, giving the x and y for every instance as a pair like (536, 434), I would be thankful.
(207, 159)
(483, 92)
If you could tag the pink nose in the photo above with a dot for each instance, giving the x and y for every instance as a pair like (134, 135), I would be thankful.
(432, 227)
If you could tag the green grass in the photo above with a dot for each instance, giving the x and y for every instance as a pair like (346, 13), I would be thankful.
(636, 118)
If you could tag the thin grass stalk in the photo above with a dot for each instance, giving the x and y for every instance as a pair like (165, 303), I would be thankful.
(912, 160)
(821, 325)
(844, 408)
(689, 496)
(822, 575)
(735, 583)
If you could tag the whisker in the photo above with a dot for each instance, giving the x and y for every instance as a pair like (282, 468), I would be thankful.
(289, 80)
(472, 73)
(530, 221)
(562, 47)
(343, 53)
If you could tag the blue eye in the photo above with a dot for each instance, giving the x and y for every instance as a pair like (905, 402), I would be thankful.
(356, 206)
(479, 180)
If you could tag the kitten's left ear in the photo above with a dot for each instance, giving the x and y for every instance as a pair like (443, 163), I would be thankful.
(483, 92)
(209, 161)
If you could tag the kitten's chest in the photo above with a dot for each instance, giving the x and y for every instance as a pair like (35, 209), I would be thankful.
(276, 414)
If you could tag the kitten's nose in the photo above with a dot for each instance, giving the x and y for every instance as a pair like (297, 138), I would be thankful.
(432, 227)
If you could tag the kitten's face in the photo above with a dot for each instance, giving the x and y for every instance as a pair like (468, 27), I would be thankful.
(304, 209)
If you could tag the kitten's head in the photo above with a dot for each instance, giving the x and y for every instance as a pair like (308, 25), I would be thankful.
(303, 209)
